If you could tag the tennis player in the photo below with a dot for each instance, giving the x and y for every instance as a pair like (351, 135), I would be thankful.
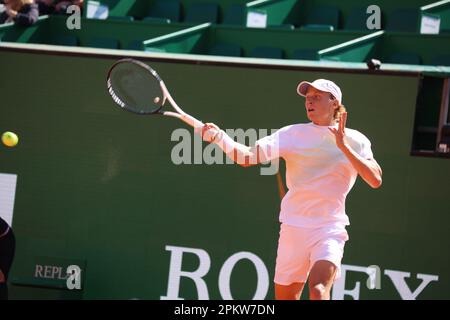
(323, 159)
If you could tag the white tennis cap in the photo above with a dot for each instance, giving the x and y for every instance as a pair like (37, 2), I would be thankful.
(322, 85)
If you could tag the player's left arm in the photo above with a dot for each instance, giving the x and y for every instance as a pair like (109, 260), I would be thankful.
(368, 169)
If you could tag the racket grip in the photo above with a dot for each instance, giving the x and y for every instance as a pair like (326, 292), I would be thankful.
(190, 120)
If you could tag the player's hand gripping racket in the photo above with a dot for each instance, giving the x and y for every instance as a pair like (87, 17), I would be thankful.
(136, 87)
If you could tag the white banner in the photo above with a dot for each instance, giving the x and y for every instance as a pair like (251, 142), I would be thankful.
(430, 24)
(7, 195)
(256, 19)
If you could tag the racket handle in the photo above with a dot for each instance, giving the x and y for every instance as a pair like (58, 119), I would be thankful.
(190, 120)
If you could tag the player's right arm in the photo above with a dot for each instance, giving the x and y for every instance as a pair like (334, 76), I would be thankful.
(241, 154)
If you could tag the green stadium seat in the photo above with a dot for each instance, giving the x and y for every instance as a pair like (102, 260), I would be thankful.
(267, 52)
(156, 20)
(282, 26)
(403, 20)
(202, 12)
(357, 20)
(236, 14)
(404, 58)
(168, 9)
(441, 60)
(121, 18)
(105, 43)
(135, 45)
(65, 40)
(152, 49)
(305, 54)
(223, 49)
(317, 27)
(323, 15)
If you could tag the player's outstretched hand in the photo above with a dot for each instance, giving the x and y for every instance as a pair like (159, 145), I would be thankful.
(210, 132)
(340, 132)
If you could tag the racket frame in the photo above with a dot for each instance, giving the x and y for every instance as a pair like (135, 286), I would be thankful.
(180, 114)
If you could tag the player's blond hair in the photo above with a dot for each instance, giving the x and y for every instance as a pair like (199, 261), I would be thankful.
(339, 110)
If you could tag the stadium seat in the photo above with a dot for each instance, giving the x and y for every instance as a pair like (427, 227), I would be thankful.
(156, 20)
(317, 27)
(267, 52)
(121, 18)
(168, 9)
(202, 12)
(357, 20)
(65, 40)
(105, 43)
(323, 15)
(403, 20)
(305, 54)
(441, 60)
(282, 26)
(404, 58)
(135, 45)
(152, 49)
(235, 15)
(223, 49)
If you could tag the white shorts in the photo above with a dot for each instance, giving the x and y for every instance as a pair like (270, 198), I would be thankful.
(300, 248)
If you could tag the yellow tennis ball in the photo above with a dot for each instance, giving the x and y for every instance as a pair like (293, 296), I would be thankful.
(10, 139)
(156, 100)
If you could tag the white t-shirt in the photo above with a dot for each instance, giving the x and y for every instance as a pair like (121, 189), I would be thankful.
(318, 175)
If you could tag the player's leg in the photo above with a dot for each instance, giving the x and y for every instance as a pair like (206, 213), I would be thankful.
(321, 279)
(292, 264)
(289, 292)
(326, 257)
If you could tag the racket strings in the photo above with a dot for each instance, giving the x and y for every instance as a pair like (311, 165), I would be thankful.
(135, 87)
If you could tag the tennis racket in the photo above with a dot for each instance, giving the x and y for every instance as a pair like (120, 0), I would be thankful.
(137, 88)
